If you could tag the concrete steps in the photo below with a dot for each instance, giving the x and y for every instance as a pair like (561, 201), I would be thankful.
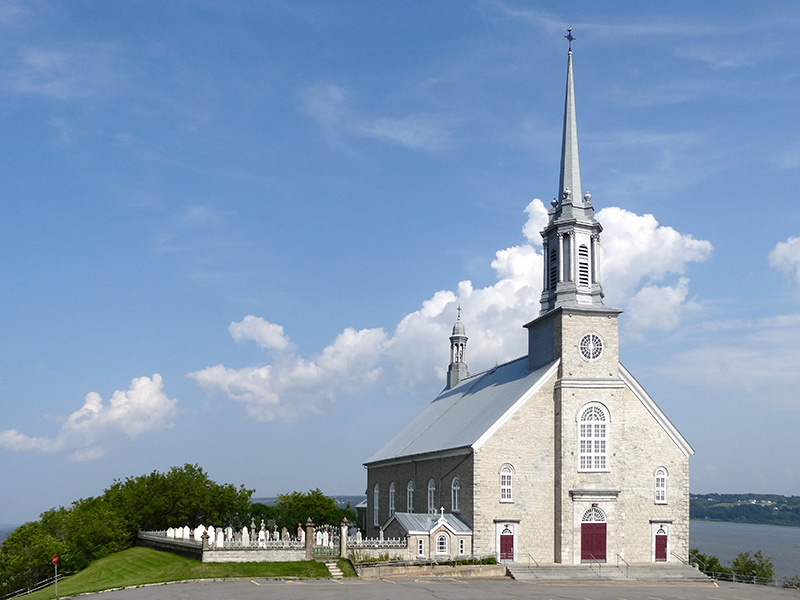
(610, 572)
(334, 569)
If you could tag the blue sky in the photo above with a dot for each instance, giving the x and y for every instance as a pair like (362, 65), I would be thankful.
(236, 234)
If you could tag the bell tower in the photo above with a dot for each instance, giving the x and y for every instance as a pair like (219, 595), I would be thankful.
(457, 370)
(571, 273)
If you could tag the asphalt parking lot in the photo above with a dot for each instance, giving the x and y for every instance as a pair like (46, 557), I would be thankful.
(446, 589)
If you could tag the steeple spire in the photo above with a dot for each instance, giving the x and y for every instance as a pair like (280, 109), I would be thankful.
(458, 347)
(569, 183)
(570, 239)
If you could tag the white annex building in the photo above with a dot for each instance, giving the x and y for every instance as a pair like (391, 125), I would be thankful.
(560, 456)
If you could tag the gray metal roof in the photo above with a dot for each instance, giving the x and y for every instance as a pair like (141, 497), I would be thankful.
(419, 522)
(458, 417)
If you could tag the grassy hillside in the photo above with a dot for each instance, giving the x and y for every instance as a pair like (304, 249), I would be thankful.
(137, 566)
(768, 509)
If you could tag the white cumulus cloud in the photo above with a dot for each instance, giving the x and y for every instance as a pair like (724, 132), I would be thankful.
(141, 408)
(785, 257)
(262, 332)
(643, 262)
(293, 383)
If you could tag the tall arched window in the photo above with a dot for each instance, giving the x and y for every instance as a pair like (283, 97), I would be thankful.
(506, 484)
(375, 498)
(593, 438)
(441, 544)
(392, 493)
(431, 496)
(410, 496)
(455, 495)
(661, 486)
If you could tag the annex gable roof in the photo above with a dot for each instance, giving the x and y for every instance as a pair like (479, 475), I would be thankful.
(462, 416)
(425, 524)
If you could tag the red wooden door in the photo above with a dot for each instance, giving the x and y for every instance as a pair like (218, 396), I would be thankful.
(661, 547)
(506, 547)
(593, 541)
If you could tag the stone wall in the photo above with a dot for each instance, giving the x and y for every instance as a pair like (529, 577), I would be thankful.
(441, 468)
(524, 443)
(187, 548)
(431, 570)
(254, 555)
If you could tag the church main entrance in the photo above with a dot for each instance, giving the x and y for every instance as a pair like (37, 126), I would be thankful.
(593, 535)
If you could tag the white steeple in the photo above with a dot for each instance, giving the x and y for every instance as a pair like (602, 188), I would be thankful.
(570, 239)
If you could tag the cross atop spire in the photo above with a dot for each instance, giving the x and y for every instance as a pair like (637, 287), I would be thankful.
(569, 37)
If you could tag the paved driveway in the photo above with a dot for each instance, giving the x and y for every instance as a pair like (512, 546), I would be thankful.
(446, 589)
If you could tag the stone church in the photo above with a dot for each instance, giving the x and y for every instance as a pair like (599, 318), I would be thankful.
(560, 455)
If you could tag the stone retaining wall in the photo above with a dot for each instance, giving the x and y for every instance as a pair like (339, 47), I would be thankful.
(378, 570)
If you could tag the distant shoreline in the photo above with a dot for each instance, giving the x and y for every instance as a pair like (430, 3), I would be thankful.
(755, 509)
(707, 520)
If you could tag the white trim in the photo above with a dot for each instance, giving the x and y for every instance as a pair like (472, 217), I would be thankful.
(455, 494)
(507, 470)
(662, 474)
(517, 405)
(575, 383)
(410, 458)
(439, 550)
(592, 455)
(653, 409)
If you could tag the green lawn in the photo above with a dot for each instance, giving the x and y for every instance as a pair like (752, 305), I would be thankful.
(137, 566)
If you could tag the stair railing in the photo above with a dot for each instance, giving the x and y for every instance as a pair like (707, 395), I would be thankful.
(627, 566)
(595, 561)
(533, 560)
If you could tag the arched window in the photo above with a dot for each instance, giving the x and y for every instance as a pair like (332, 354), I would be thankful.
(506, 484)
(375, 498)
(431, 496)
(441, 544)
(593, 438)
(392, 492)
(410, 496)
(661, 486)
(594, 515)
(455, 495)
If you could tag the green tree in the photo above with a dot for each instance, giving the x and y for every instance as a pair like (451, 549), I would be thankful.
(182, 496)
(90, 529)
(708, 562)
(26, 556)
(297, 507)
(95, 527)
(754, 568)
(792, 582)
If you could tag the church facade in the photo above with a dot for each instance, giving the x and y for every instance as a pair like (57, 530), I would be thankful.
(560, 455)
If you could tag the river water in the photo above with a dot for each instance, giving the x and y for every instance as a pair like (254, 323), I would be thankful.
(725, 540)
